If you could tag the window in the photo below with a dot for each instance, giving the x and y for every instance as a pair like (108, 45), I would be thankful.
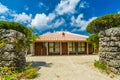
(71, 46)
(81, 46)
(54, 47)
(57, 47)
(51, 47)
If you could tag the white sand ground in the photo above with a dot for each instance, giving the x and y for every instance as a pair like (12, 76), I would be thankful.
(79, 67)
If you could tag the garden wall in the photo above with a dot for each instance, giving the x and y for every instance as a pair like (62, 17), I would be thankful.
(12, 53)
(109, 48)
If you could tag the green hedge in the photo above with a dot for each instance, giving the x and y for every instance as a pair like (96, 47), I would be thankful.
(15, 26)
(103, 23)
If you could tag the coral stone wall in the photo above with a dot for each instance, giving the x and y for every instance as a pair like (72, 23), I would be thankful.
(13, 52)
(109, 48)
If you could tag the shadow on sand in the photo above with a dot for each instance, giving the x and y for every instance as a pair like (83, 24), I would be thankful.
(39, 64)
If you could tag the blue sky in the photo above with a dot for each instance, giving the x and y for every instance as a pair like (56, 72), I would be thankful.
(47, 16)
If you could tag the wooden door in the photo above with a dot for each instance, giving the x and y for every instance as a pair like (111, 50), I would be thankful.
(40, 49)
(64, 48)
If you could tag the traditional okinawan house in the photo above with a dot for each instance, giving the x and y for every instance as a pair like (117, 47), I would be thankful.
(62, 43)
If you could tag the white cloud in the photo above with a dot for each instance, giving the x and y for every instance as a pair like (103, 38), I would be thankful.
(58, 23)
(13, 16)
(40, 21)
(43, 22)
(79, 22)
(2, 17)
(23, 17)
(118, 12)
(26, 8)
(51, 16)
(3, 8)
(53, 19)
(66, 6)
(84, 4)
(42, 6)
(47, 33)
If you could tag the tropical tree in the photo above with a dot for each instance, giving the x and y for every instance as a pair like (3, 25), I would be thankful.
(94, 40)
(100, 24)
(103, 23)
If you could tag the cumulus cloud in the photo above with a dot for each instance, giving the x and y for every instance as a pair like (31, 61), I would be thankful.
(40, 20)
(42, 6)
(66, 6)
(84, 4)
(11, 15)
(80, 22)
(2, 17)
(58, 23)
(23, 17)
(43, 21)
(3, 8)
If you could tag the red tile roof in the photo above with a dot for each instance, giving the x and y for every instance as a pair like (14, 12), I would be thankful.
(61, 36)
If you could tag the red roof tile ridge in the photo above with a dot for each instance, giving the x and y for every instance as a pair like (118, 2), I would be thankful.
(66, 32)
(73, 33)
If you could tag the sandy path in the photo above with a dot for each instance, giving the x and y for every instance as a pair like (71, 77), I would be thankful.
(68, 68)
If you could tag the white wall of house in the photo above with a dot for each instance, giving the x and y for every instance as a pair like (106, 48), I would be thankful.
(32, 49)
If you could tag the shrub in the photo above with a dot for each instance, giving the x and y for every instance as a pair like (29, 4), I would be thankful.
(10, 73)
(15, 26)
(29, 74)
(100, 65)
(2, 43)
(94, 40)
(103, 23)
(30, 37)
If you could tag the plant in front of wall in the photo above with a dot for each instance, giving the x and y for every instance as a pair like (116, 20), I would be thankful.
(10, 73)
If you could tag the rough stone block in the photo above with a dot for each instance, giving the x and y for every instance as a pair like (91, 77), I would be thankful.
(109, 49)
(10, 54)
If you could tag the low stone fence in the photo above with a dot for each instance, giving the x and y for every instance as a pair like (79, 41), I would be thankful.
(13, 52)
(109, 48)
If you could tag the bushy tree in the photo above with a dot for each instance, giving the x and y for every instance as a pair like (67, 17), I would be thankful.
(100, 24)
(103, 23)
(94, 40)
(30, 37)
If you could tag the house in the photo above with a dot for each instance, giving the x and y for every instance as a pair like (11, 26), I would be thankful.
(62, 43)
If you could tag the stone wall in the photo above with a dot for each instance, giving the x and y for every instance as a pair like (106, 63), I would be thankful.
(13, 52)
(109, 48)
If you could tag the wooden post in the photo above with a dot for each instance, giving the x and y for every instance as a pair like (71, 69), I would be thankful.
(47, 48)
(87, 49)
(68, 47)
(60, 48)
(76, 48)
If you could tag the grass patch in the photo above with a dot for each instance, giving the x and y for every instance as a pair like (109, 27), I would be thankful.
(10, 73)
(57, 76)
(28, 74)
(102, 67)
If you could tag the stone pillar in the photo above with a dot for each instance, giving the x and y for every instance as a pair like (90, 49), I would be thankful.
(109, 49)
(14, 50)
